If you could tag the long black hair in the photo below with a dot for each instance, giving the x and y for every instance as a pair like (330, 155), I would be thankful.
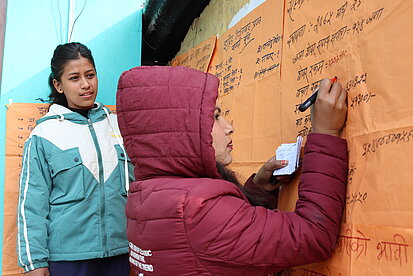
(228, 175)
(61, 56)
(255, 199)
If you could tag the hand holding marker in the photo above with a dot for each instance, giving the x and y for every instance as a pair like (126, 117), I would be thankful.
(311, 100)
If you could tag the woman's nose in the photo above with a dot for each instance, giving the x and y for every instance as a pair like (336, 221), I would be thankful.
(85, 83)
(229, 128)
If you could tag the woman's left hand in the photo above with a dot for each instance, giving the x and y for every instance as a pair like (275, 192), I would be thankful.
(265, 179)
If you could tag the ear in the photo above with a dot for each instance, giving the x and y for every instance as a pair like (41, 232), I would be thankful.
(57, 85)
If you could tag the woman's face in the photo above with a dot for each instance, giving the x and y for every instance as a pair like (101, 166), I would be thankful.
(79, 83)
(221, 138)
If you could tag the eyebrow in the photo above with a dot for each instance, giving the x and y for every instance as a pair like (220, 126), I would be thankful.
(75, 73)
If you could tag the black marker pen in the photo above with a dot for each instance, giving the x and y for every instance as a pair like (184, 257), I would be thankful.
(311, 100)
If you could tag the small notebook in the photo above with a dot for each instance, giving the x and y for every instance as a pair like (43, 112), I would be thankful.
(290, 152)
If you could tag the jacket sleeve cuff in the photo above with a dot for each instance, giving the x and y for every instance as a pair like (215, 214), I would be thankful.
(327, 144)
(258, 196)
(36, 265)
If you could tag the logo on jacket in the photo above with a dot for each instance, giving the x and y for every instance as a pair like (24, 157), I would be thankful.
(138, 257)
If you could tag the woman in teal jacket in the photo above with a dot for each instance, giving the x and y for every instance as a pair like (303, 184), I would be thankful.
(73, 183)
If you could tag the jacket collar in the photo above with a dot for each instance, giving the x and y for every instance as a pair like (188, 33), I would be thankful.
(61, 113)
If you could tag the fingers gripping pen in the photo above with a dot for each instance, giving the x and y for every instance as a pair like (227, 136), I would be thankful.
(311, 100)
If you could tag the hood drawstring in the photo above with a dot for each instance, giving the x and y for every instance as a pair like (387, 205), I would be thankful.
(61, 117)
(58, 113)
(123, 149)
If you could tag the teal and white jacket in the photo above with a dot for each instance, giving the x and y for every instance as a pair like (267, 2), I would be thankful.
(73, 189)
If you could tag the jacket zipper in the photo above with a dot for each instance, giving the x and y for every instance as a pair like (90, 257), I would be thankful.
(101, 188)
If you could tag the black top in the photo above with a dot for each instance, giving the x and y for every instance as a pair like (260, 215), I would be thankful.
(83, 112)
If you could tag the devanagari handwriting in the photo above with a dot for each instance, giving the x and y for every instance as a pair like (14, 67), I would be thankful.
(292, 6)
(356, 197)
(394, 251)
(242, 37)
(269, 43)
(356, 101)
(353, 243)
(351, 172)
(400, 137)
(331, 40)
(356, 81)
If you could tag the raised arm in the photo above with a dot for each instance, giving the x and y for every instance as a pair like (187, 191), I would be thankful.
(256, 238)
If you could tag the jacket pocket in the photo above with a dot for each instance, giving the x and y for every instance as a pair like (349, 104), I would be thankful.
(66, 169)
(121, 166)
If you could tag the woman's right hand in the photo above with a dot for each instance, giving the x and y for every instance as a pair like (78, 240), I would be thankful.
(328, 114)
(43, 271)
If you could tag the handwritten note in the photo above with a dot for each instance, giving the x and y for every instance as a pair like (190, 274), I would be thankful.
(364, 43)
(319, 44)
(247, 62)
(291, 153)
(367, 44)
(197, 58)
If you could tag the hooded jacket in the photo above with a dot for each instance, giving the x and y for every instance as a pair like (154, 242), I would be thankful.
(72, 189)
(183, 219)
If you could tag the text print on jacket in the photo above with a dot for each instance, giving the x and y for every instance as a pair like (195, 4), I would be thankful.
(182, 218)
(72, 189)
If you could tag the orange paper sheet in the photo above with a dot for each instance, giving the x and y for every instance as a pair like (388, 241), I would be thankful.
(20, 121)
(198, 57)
(268, 64)
(367, 45)
(247, 62)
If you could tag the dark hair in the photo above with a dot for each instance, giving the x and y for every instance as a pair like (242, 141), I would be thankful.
(61, 56)
(228, 174)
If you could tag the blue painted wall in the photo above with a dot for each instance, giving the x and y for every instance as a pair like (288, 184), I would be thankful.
(110, 28)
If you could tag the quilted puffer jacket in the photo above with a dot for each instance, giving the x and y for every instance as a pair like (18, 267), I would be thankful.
(183, 219)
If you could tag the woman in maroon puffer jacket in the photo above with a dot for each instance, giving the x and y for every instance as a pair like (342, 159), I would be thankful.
(184, 219)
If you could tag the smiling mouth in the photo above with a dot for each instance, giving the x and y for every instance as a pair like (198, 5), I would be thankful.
(87, 94)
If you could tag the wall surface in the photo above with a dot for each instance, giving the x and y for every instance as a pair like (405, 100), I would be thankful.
(3, 7)
(214, 20)
(111, 29)
(273, 59)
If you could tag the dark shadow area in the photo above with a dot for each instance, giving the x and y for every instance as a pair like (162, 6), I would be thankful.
(165, 24)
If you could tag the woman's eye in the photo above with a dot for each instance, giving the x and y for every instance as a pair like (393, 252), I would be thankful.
(91, 75)
(73, 78)
(217, 116)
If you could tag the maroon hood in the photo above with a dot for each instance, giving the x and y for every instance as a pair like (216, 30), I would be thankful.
(166, 115)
